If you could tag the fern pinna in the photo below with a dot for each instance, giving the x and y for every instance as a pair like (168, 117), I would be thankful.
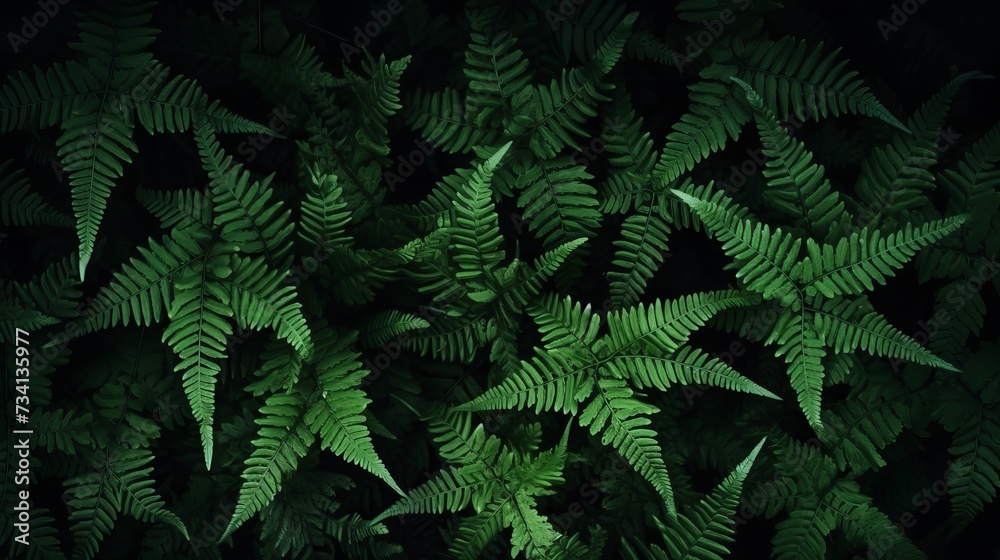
(535, 279)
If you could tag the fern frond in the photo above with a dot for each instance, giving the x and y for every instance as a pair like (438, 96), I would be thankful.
(622, 420)
(766, 260)
(896, 176)
(121, 485)
(283, 439)
(198, 333)
(245, 212)
(19, 206)
(144, 288)
(796, 186)
(497, 71)
(549, 381)
(686, 366)
(378, 99)
(442, 119)
(850, 325)
(475, 235)
(796, 79)
(261, 298)
(557, 202)
(666, 325)
(865, 258)
(974, 476)
(703, 531)
(640, 253)
(802, 346)
(324, 212)
(335, 413)
(717, 114)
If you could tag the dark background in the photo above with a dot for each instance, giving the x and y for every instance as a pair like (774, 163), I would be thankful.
(903, 71)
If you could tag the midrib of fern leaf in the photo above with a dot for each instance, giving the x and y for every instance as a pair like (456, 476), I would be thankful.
(336, 412)
(244, 211)
(716, 114)
(702, 532)
(639, 252)
(558, 204)
(792, 79)
(621, 420)
(282, 440)
(803, 350)
(795, 187)
(902, 166)
(198, 333)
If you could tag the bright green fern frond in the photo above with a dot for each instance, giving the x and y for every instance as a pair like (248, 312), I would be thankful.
(335, 412)
(565, 325)
(718, 113)
(245, 211)
(283, 439)
(866, 258)
(475, 533)
(687, 366)
(639, 252)
(796, 186)
(702, 532)
(198, 333)
(475, 235)
(766, 260)
(93, 146)
(549, 381)
(666, 325)
(452, 490)
(144, 288)
(622, 420)
(262, 298)
(802, 346)
(848, 325)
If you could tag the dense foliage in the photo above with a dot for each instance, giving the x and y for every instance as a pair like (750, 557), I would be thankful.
(487, 282)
